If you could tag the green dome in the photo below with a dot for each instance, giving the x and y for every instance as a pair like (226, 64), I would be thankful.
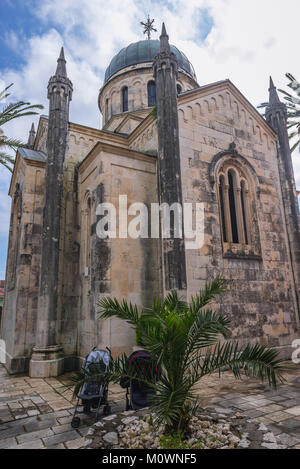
(141, 52)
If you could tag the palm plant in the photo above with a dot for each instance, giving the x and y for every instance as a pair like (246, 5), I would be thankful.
(184, 338)
(293, 108)
(7, 114)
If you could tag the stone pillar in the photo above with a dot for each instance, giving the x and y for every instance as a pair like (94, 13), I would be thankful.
(165, 71)
(31, 138)
(47, 357)
(276, 116)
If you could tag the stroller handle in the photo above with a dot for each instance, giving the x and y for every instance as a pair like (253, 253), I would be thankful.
(107, 348)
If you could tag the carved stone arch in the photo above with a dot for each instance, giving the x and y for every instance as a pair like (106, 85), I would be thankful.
(245, 181)
(244, 120)
(82, 141)
(208, 108)
(236, 183)
(72, 139)
(214, 104)
(238, 160)
(228, 96)
(179, 82)
(251, 123)
(190, 113)
(233, 168)
(236, 107)
(273, 145)
(221, 100)
(198, 110)
(181, 114)
(87, 195)
(265, 140)
(113, 90)
(258, 132)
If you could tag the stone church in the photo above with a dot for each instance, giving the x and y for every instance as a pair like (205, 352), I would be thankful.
(200, 143)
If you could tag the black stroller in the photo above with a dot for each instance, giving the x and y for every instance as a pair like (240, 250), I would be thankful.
(137, 392)
(93, 394)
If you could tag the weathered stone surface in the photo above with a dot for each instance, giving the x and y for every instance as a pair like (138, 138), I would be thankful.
(98, 166)
(165, 71)
(111, 438)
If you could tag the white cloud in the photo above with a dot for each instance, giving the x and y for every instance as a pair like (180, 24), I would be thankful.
(249, 41)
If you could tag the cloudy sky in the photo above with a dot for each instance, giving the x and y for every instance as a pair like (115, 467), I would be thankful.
(245, 41)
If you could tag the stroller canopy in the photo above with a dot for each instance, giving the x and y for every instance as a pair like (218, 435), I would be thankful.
(101, 359)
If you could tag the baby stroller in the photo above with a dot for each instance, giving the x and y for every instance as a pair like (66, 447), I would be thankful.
(93, 394)
(138, 393)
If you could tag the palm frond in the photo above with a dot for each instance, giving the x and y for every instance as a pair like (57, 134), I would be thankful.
(6, 160)
(110, 307)
(183, 339)
(254, 360)
(12, 143)
(212, 288)
(4, 94)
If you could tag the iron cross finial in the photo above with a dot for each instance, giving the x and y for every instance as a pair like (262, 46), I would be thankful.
(148, 27)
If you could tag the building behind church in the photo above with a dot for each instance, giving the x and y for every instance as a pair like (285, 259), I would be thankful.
(207, 144)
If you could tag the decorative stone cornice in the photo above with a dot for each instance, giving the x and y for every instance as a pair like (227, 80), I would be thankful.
(120, 151)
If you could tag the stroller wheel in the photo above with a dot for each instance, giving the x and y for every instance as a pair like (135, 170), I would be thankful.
(128, 407)
(75, 422)
(106, 410)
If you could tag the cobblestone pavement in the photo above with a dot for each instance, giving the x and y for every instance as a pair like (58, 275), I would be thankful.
(37, 413)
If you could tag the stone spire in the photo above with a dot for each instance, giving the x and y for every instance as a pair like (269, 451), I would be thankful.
(31, 138)
(165, 71)
(164, 40)
(47, 357)
(273, 95)
(276, 116)
(61, 69)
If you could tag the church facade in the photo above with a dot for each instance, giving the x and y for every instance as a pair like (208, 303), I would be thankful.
(202, 144)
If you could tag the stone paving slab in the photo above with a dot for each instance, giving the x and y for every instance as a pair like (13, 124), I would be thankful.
(37, 413)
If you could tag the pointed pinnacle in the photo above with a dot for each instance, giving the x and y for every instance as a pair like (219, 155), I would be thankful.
(273, 95)
(31, 138)
(62, 54)
(164, 40)
(163, 30)
(61, 64)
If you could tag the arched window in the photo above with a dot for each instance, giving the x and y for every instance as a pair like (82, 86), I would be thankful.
(244, 204)
(222, 206)
(125, 99)
(234, 208)
(179, 89)
(151, 93)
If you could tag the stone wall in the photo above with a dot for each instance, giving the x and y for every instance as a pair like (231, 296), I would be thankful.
(122, 268)
(260, 299)
(136, 79)
(23, 263)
